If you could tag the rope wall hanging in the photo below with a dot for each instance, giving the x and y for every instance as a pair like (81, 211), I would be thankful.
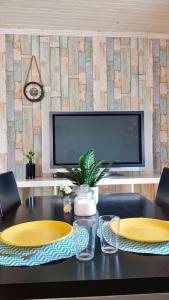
(33, 90)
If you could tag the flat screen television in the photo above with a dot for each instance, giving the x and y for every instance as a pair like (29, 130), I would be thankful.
(114, 136)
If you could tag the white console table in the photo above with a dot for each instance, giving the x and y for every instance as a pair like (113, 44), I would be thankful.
(132, 180)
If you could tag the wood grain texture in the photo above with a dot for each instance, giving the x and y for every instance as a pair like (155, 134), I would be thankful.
(55, 72)
(74, 94)
(10, 72)
(110, 74)
(125, 70)
(142, 55)
(89, 73)
(73, 57)
(64, 72)
(99, 74)
(3, 108)
(139, 16)
(80, 74)
(18, 106)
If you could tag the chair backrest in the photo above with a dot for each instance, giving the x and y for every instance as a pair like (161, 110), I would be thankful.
(9, 196)
(162, 196)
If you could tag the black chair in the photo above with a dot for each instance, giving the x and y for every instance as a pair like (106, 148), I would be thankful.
(162, 196)
(120, 203)
(9, 196)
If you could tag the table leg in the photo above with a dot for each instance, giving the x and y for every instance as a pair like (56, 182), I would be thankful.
(132, 188)
(55, 190)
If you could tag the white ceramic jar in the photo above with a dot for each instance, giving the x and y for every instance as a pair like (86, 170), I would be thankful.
(84, 202)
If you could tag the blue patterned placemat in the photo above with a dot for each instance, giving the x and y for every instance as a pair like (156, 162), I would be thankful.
(161, 248)
(44, 254)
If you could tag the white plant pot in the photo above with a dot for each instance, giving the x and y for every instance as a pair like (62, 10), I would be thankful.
(95, 190)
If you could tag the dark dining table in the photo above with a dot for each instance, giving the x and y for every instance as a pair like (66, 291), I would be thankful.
(123, 273)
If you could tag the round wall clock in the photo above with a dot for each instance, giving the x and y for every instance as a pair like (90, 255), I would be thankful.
(33, 91)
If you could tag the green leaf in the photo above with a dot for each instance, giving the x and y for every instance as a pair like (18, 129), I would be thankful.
(81, 161)
(101, 175)
(93, 172)
(89, 159)
(81, 165)
(88, 170)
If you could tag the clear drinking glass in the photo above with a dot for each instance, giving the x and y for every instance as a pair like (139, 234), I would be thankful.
(109, 242)
(85, 234)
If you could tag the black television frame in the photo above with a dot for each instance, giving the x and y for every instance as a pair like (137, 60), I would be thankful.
(100, 113)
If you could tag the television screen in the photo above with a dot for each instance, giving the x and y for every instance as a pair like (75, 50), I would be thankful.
(114, 136)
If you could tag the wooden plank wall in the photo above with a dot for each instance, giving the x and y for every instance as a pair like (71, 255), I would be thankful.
(3, 108)
(80, 74)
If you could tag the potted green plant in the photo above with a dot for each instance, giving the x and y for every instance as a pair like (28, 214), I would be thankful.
(30, 166)
(88, 171)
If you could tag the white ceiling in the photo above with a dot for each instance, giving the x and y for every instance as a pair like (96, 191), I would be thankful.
(86, 15)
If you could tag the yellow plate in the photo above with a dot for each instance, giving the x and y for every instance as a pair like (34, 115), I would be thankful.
(144, 229)
(36, 233)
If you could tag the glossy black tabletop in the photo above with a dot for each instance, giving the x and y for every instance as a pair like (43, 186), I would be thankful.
(121, 273)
